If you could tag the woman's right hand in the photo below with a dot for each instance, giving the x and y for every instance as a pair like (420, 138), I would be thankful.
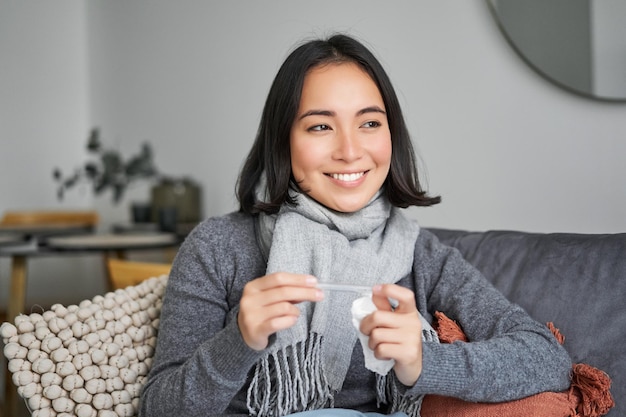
(268, 305)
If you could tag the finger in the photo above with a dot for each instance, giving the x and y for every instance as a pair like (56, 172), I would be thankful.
(279, 323)
(258, 323)
(282, 279)
(400, 353)
(380, 336)
(375, 320)
(257, 336)
(410, 322)
(279, 287)
(258, 314)
(405, 299)
(278, 317)
(288, 294)
(380, 300)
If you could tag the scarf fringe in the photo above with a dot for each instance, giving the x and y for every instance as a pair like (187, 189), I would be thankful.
(386, 389)
(292, 380)
(289, 381)
(408, 404)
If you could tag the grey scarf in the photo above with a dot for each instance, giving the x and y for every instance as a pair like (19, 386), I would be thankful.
(307, 363)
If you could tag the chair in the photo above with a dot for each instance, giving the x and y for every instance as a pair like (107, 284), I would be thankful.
(123, 273)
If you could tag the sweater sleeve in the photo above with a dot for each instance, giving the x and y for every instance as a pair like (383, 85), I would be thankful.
(201, 360)
(509, 356)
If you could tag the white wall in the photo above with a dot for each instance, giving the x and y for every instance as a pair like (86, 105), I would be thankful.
(44, 114)
(504, 148)
(44, 109)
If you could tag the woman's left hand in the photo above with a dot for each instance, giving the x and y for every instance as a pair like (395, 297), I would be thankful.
(396, 332)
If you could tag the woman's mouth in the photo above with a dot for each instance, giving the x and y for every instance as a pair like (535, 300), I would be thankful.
(354, 176)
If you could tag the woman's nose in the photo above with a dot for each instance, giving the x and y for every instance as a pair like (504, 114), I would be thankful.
(348, 146)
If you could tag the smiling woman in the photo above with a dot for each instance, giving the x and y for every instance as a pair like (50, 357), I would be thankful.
(253, 322)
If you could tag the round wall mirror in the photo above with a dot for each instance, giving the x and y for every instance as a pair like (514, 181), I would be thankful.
(579, 45)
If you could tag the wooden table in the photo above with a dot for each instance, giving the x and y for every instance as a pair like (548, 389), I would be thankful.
(22, 241)
(40, 245)
(11, 239)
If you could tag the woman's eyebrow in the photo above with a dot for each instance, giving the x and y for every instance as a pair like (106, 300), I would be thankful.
(371, 109)
(317, 113)
(330, 113)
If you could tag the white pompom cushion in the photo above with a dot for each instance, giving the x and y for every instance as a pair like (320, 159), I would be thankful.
(86, 360)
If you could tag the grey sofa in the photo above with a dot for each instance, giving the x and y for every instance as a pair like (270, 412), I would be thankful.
(577, 281)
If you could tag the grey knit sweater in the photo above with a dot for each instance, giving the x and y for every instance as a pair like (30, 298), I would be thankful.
(202, 365)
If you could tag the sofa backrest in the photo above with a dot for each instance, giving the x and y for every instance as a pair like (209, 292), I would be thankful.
(577, 281)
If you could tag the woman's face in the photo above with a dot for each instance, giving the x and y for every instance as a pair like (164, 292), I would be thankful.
(340, 139)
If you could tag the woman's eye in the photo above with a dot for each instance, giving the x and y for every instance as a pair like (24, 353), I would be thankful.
(371, 124)
(319, 128)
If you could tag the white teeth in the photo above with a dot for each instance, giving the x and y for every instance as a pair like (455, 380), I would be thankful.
(348, 177)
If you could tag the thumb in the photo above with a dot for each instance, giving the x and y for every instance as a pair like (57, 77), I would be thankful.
(381, 300)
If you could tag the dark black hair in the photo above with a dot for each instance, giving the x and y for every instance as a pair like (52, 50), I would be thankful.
(270, 153)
